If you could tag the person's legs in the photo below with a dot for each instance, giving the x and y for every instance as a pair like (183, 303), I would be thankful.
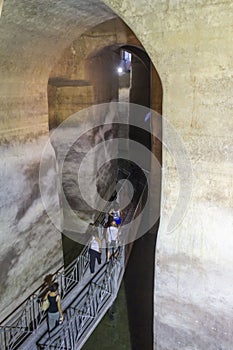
(114, 248)
(98, 256)
(108, 251)
(92, 260)
(111, 249)
(53, 318)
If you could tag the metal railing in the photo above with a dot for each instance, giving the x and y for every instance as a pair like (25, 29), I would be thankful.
(82, 316)
(29, 315)
(94, 300)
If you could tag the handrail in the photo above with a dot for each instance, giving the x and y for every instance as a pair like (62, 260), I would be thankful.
(82, 318)
(61, 268)
(30, 316)
(77, 328)
(26, 317)
(2, 323)
(84, 312)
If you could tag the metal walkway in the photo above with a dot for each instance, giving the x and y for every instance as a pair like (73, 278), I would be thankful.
(84, 299)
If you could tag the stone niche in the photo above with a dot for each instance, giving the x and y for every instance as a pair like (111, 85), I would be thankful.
(70, 103)
(86, 75)
(31, 98)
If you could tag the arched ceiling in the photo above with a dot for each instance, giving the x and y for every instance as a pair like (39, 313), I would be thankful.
(35, 33)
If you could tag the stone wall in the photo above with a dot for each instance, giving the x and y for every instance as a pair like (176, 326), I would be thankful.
(30, 244)
(86, 75)
(190, 45)
(40, 62)
(1, 4)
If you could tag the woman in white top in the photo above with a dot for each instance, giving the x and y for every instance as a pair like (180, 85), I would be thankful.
(95, 252)
(112, 238)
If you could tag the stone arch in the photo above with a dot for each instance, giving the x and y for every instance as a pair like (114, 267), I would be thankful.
(83, 67)
(84, 75)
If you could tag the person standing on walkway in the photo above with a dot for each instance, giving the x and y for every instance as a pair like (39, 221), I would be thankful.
(115, 214)
(95, 248)
(112, 239)
(54, 311)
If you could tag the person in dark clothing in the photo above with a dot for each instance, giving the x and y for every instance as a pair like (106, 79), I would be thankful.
(95, 252)
(54, 311)
(115, 214)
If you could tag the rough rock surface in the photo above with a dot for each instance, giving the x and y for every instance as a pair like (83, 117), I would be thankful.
(190, 44)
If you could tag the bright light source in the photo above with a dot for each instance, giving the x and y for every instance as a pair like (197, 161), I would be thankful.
(120, 70)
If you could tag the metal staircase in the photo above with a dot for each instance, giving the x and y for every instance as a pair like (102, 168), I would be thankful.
(84, 298)
(87, 310)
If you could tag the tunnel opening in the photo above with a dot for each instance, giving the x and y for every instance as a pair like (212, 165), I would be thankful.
(139, 274)
(107, 71)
